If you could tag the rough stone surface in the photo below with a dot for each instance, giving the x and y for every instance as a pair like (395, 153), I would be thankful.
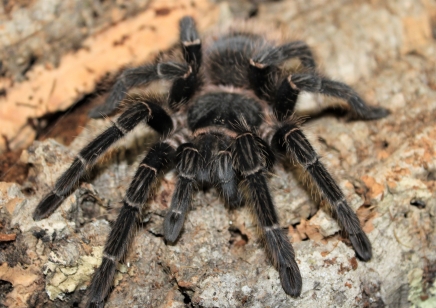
(386, 168)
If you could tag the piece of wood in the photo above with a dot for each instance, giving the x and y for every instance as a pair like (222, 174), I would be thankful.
(128, 43)
(7, 237)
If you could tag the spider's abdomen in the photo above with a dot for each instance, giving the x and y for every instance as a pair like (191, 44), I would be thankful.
(224, 109)
(228, 59)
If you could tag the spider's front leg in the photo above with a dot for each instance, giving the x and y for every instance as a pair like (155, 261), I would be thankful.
(122, 232)
(249, 160)
(189, 162)
(207, 159)
(224, 175)
(147, 109)
(290, 139)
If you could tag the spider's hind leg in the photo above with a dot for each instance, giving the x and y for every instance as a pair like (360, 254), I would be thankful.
(289, 138)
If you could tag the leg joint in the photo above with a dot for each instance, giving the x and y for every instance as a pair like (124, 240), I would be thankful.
(311, 163)
(120, 128)
(110, 257)
(82, 160)
(190, 43)
(131, 203)
(257, 64)
(255, 170)
(144, 165)
(271, 228)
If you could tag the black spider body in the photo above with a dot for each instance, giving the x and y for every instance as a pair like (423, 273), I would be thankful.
(223, 120)
(228, 59)
(232, 106)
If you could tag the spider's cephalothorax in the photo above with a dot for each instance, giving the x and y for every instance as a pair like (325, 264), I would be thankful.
(217, 127)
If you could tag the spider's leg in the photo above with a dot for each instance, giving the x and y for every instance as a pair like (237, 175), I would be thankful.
(192, 166)
(184, 86)
(215, 148)
(224, 175)
(276, 55)
(189, 161)
(289, 138)
(128, 79)
(191, 42)
(185, 76)
(265, 62)
(122, 232)
(139, 76)
(285, 100)
(317, 84)
(147, 109)
(207, 145)
(266, 152)
(247, 158)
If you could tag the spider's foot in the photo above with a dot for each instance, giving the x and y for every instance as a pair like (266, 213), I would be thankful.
(373, 113)
(290, 278)
(101, 283)
(361, 245)
(47, 206)
(173, 224)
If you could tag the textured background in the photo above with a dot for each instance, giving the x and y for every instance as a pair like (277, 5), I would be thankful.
(385, 49)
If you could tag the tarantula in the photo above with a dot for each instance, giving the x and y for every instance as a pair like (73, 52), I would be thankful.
(226, 115)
